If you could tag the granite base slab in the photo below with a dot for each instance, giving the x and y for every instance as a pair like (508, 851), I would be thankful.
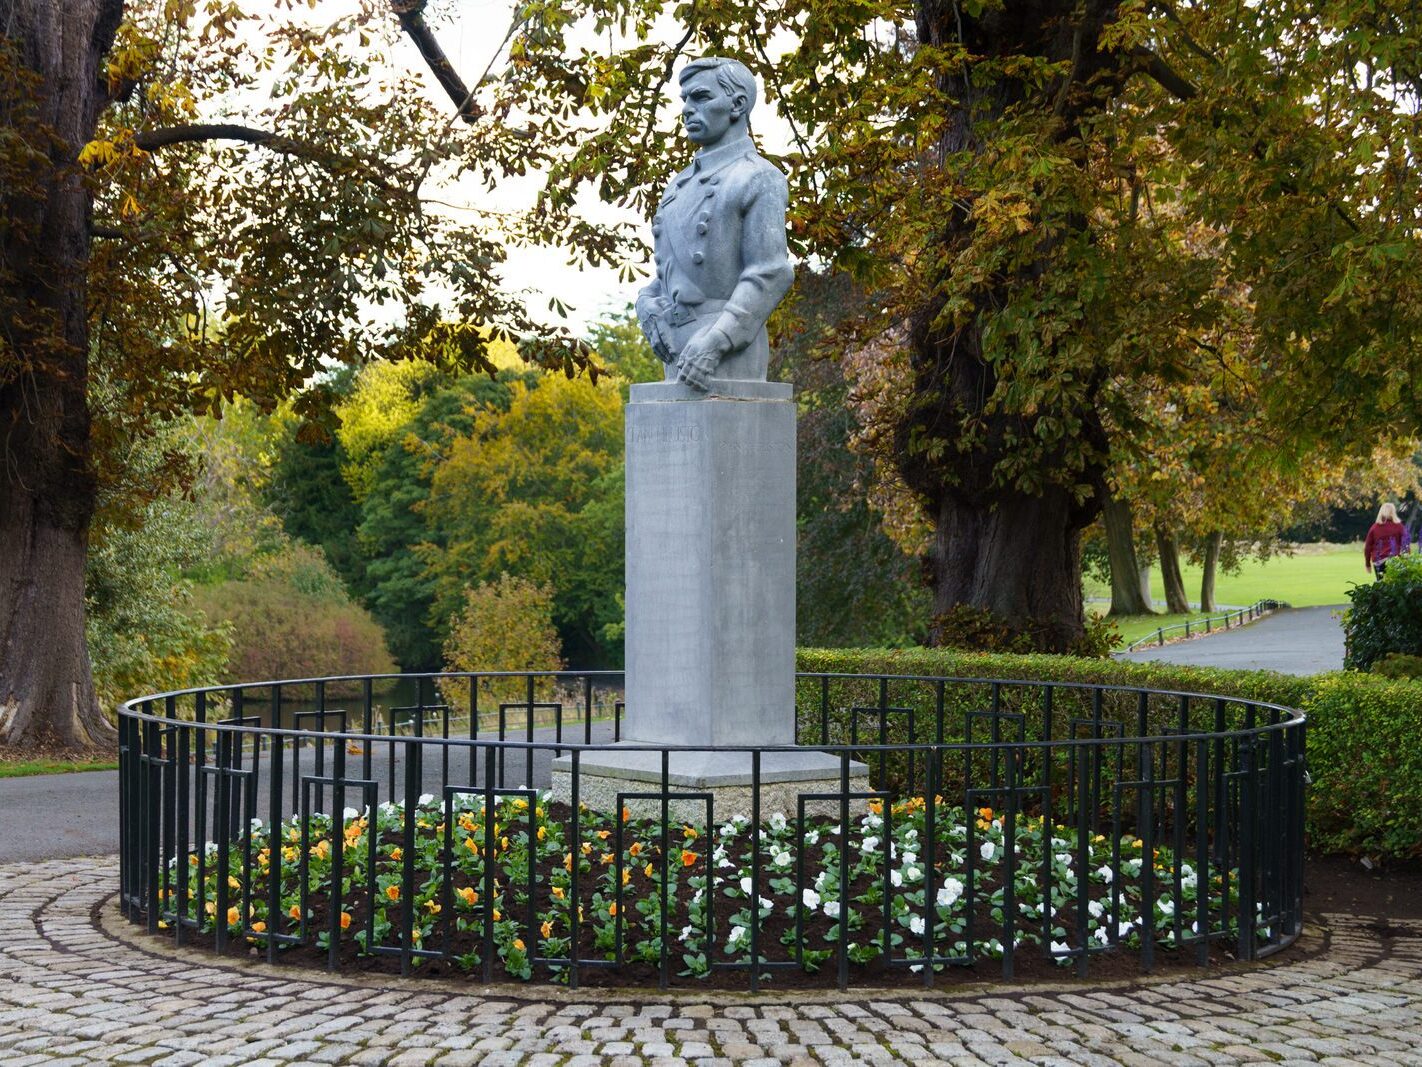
(785, 776)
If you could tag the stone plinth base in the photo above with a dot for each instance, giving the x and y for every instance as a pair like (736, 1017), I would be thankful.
(726, 776)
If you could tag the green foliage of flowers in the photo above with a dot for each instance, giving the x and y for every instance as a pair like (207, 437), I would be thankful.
(522, 879)
(1363, 760)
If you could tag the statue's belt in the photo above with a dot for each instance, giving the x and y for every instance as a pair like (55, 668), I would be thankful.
(681, 314)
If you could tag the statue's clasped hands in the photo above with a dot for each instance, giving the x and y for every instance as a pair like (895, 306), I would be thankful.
(698, 360)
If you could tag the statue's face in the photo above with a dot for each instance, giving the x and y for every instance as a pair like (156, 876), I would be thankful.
(707, 111)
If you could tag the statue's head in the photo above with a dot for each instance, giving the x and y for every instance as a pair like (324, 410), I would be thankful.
(717, 96)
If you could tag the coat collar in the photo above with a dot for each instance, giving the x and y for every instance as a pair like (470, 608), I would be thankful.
(710, 160)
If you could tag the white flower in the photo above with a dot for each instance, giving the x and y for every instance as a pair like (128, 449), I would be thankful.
(686, 933)
(912, 874)
(350, 813)
(1105, 873)
(832, 909)
(766, 903)
(696, 897)
(811, 899)
(916, 925)
(988, 850)
(777, 822)
(812, 838)
(781, 858)
(746, 885)
(426, 798)
(910, 836)
(1166, 905)
(949, 894)
(1060, 948)
(910, 858)
(1096, 908)
(870, 822)
(729, 830)
(868, 845)
(257, 823)
(1064, 858)
(736, 936)
(821, 880)
(896, 878)
(1103, 935)
(1123, 930)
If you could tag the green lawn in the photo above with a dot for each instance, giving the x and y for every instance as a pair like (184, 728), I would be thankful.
(1312, 575)
(24, 768)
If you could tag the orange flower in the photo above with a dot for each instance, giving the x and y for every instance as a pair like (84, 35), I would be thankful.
(259, 927)
(345, 920)
(876, 806)
(606, 858)
(397, 853)
(635, 848)
(233, 916)
(687, 857)
(603, 835)
(393, 892)
(985, 813)
(497, 916)
(690, 833)
(295, 911)
(547, 928)
(568, 862)
(468, 895)
(518, 944)
(612, 909)
(626, 814)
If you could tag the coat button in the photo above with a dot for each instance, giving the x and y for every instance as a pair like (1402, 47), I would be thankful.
(710, 193)
(700, 228)
(698, 257)
(716, 180)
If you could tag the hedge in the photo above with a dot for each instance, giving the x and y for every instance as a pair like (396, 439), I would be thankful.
(1363, 752)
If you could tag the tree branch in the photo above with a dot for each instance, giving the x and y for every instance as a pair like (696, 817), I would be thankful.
(412, 21)
(1164, 74)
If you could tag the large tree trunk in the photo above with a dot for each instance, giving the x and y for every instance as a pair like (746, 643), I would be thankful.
(1207, 572)
(1145, 587)
(1126, 596)
(1176, 602)
(996, 548)
(50, 94)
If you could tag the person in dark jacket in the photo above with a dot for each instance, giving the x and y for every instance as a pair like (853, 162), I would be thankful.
(1386, 538)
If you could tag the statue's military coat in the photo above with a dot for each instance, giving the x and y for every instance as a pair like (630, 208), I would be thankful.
(719, 238)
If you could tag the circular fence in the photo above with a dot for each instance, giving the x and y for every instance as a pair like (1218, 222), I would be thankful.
(443, 824)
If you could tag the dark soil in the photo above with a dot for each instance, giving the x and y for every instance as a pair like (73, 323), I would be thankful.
(1347, 885)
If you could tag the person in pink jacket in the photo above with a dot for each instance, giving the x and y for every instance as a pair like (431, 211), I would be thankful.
(1386, 538)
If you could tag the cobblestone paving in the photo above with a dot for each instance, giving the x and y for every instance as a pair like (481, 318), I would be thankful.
(79, 986)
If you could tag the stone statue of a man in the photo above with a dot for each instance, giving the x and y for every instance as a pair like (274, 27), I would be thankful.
(719, 238)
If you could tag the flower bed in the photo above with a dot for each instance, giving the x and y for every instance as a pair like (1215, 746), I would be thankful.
(910, 885)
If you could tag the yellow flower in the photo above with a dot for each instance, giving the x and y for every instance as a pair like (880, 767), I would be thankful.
(626, 876)
(498, 916)
(587, 848)
(635, 848)
(603, 835)
(433, 906)
(504, 843)
(321, 849)
(649, 870)
(393, 892)
(289, 854)
(690, 833)
(233, 916)
(397, 853)
(416, 934)
(557, 891)
(232, 883)
(547, 928)
(568, 862)
(345, 920)
(606, 858)
(518, 944)
(543, 833)
(471, 846)
(259, 927)
(468, 895)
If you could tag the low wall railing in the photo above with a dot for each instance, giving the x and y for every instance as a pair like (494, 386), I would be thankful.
(406, 823)
(1223, 621)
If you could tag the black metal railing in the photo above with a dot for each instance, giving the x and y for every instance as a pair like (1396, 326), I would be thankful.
(1001, 821)
(1235, 617)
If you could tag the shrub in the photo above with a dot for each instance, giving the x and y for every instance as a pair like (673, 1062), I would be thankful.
(1365, 765)
(504, 626)
(1399, 665)
(1386, 615)
(280, 632)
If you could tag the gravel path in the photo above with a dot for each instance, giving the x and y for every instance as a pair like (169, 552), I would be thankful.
(1292, 641)
(80, 985)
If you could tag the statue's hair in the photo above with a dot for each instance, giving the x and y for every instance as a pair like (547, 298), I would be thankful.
(733, 76)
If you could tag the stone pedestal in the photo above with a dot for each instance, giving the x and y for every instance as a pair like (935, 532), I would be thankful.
(711, 564)
(710, 602)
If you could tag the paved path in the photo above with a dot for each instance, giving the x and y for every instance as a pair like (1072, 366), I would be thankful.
(79, 985)
(1292, 641)
(79, 812)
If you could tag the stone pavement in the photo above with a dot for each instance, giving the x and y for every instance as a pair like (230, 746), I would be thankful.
(80, 985)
